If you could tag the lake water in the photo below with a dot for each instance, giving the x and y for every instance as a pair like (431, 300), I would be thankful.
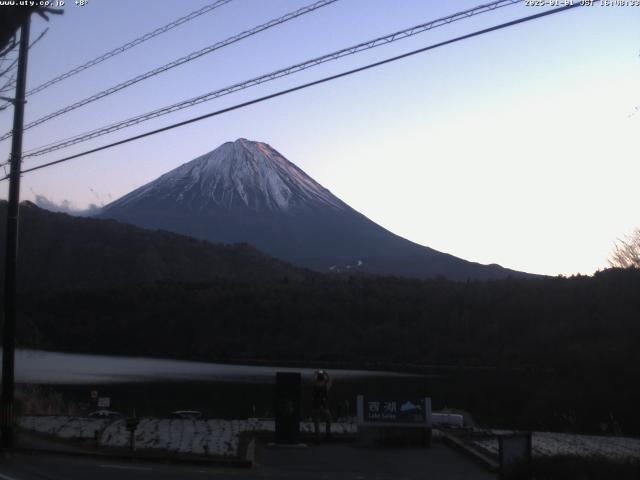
(57, 368)
(155, 387)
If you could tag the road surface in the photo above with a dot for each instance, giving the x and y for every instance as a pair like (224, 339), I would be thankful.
(335, 461)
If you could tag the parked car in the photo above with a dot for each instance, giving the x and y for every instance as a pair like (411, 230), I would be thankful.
(186, 414)
(105, 414)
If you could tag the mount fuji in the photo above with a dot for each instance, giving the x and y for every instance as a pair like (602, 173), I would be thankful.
(246, 191)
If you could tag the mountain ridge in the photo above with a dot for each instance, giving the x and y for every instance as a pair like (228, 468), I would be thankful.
(60, 251)
(246, 191)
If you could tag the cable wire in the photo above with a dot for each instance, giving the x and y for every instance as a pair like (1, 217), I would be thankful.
(14, 64)
(83, 137)
(304, 86)
(178, 62)
(128, 45)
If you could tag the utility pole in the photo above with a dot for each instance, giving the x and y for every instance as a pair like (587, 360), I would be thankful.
(11, 255)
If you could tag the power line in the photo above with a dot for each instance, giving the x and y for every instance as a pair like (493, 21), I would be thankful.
(11, 82)
(178, 62)
(304, 86)
(270, 76)
(11, 44)
(129, 45)
(31, 45)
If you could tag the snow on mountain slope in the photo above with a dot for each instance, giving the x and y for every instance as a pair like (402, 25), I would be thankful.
(240, 174)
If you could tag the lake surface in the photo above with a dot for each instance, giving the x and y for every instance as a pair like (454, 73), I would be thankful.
(57, 368)
(156, 387)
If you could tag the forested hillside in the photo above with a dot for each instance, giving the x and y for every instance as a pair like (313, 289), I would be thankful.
(58, 251)
(570, 342)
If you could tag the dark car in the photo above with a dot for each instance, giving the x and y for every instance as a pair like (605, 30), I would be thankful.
(104, 414)
(186, 414)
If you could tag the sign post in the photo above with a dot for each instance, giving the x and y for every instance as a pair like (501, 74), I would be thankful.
(131, 425)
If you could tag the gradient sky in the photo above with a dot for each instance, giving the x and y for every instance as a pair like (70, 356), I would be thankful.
(519, 147)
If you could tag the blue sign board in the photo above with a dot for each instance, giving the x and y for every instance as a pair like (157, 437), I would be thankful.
(394, 410)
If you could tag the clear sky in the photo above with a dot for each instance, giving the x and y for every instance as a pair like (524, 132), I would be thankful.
(519, 147)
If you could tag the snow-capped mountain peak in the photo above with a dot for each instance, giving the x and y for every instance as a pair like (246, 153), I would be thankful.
(240, 174)
(246, 191)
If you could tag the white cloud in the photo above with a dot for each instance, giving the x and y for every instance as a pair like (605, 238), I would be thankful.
(65, 206)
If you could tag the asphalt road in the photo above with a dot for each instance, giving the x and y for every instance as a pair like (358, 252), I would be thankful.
(335, 461)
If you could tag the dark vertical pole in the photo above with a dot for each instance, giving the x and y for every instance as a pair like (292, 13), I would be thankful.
(11, 255)
(288, 392)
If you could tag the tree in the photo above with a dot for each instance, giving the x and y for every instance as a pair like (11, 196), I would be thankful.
(626, 252)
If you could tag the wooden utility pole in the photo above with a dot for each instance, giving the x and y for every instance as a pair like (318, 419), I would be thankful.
(11, 254)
